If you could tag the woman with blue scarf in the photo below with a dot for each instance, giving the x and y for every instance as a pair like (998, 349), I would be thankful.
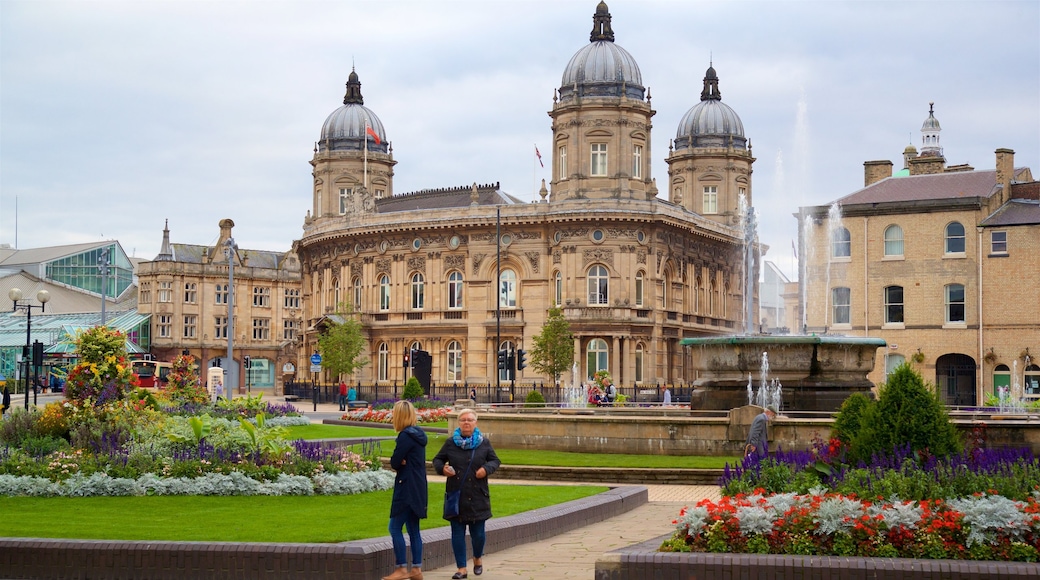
(467, 459)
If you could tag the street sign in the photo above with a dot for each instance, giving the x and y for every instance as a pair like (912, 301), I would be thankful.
(316, 359)
(315, 368)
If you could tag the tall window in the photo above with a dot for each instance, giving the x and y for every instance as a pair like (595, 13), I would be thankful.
(598, 280)
(356, 283)
(289, 329)
(380, 193)
(637, 161)
(558, 288)
(955, 303)
(384, 292)
(261, 329)
(507, 289)
(455, 288)
(841, 299)
(997, 242)
(383, 371)
(639, 288)
(335, 298)
(507, 345)
(711, 298)
(454, 361)
(596, 356)
(344, 199)
(639, 363)
(292, 298)
(711, 199)
(165, 329)
(562, 173)
(145, 293)
(190, 292)
(599, 160)
(165, 291)
(893, 304)
(220, 327)
(222, 293)
(418, 291)
(261, 296)
(954, 238)
(841, 243)
(893, 241)
(191, 325)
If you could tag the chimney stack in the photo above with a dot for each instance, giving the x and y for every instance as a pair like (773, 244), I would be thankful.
(875, 171)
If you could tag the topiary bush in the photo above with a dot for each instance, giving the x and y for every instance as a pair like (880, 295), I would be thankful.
(412, 389)
(849, 418)
(907, 413)
(534, 399)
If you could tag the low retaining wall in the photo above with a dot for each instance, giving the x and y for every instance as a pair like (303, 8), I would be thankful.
(31, 558)
(642, 561)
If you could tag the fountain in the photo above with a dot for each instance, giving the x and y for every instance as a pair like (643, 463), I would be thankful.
(1010, 397)
(576, 395)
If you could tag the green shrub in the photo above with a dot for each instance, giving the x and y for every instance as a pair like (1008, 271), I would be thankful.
(412, 389)
(850, 417)
(534, 399)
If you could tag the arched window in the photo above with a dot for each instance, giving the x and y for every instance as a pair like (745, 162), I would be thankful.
(416, 345)
(356, 283)
(639, 289)
(597, 358)
(508, 346)
(954, 238)
(384, 292)
(841, 243)
(598, 283)
(418, 291)
(454, 370)
(507, 289)
(455, 287)
(711, 299)
(558, 286)
(319, 294)
(335, 294)
(841, 301)
(698, 296)
(893, 361)
(893, 304)
(383, 371)
(639, 363)
(664, 290)
(1001, 379)
(1031, 381)
(893, 241)
(954, 303)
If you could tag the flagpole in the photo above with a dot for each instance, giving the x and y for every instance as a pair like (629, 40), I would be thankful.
(534, 177)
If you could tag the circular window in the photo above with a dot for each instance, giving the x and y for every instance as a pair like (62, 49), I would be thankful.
(453, 242)
(507, 239)
(641, 236)
(597, 235)
(357, 249)
(558, 237)
(416, 244)
(383, 245)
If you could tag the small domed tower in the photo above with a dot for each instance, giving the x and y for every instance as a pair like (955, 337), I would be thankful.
(709, 163)
(601, 122)
(353, 162)
(930, 130)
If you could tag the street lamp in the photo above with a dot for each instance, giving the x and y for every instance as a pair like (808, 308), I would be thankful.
(42, 297)
(103, 264)
(229, 252)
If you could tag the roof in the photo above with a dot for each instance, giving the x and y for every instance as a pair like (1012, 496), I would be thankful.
(53, 329)
(193, 253)
(487, 194)
(1016, 212)
(958, 185)
(38, 255)
(64, 299)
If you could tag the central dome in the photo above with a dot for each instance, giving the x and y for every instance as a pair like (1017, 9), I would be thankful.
(602, 68)
(710, 123)
(345, 128)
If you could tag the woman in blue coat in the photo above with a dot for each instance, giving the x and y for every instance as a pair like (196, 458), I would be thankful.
(467, 458)
(410, 496)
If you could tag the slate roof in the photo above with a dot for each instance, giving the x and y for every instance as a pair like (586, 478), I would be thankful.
(1016, 212)
(488, 194)
(193, 253)
(956, 185)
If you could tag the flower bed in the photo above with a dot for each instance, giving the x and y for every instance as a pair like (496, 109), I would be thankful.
(432, 415)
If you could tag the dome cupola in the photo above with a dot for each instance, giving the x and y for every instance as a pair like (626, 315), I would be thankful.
(601, 68)
(930, 130)
(710, 123)
(350, 126)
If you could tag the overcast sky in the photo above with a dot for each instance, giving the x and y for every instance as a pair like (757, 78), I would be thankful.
(115, 116)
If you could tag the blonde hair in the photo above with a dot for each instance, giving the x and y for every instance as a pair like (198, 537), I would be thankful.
(467, 412)
(403, 416)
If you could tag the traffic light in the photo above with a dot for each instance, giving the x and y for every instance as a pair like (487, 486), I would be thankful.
(521, 359)
(407, 359)
(503, 359)
(248, 363)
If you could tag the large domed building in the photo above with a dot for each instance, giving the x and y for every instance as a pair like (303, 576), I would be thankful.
(632, 272)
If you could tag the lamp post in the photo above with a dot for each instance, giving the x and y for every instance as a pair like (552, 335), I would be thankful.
(103, 264)
(229, 251)
(42, 297)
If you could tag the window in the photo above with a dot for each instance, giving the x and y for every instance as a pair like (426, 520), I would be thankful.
(383, 371)
(637, 161)
(598, 283)
(558, 289)
(289, 328)
(997, 241)
(742, 193)
(507, 289)
(841, 302)
(261, 329)
(955, 303)
(596, 356)
(455, 287)
(145, 293)
(165, 291)
(893, 241)
(711, 199)
(639, 363)
(955, 238)
(334, 299)
(344, 199)
(190, 292)
(261, 296)
(418, 291)
(384, 293)
(639, 288)
(292, 298)
(1031, 381)
(356, 284)
(222, 294)
(165, 329)
(503, 374)
(1001, 379)
(599, 160)
(220, 327)
(380, 193)
(841, 243)
(562, 173)
(191, 323)
(893, 361)
(454, 361)
(893, 304)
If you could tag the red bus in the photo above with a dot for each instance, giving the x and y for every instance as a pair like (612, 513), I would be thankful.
(152, 374)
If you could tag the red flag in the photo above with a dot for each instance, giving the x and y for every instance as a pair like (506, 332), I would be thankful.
(372, 133)
(536, 152)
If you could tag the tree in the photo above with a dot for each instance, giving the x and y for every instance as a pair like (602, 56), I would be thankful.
(553, 351)
(342, 342)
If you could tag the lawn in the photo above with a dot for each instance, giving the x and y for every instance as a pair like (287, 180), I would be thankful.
(294, 519)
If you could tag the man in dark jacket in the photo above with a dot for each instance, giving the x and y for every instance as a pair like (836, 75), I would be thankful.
(757, 443)
(410, 495)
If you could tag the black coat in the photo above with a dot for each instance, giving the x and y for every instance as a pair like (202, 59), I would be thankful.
(409, 461)
(475, 501)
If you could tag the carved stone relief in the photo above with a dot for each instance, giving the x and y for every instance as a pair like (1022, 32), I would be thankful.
(455, 261)
(478, 259)
(598, 255)
(417, 263)
(383, 265)
(533, 258)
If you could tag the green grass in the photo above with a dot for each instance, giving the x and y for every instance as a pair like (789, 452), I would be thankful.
(321, 431)
(294, 519)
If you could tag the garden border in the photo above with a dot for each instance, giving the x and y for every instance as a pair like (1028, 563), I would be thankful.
(642, 560)
(34, 558)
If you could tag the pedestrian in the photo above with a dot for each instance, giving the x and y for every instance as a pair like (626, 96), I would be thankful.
(473, 395)
(6, 401)
(611, 394)
(410, 495)
(467, 459)
(757, 443)
(351, 396)
(667, 396)
(219, 389)
(342, 396)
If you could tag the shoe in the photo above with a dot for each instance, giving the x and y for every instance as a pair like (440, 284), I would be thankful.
(416, 574)
(398, 574)
(478, 569)
(458, 575)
